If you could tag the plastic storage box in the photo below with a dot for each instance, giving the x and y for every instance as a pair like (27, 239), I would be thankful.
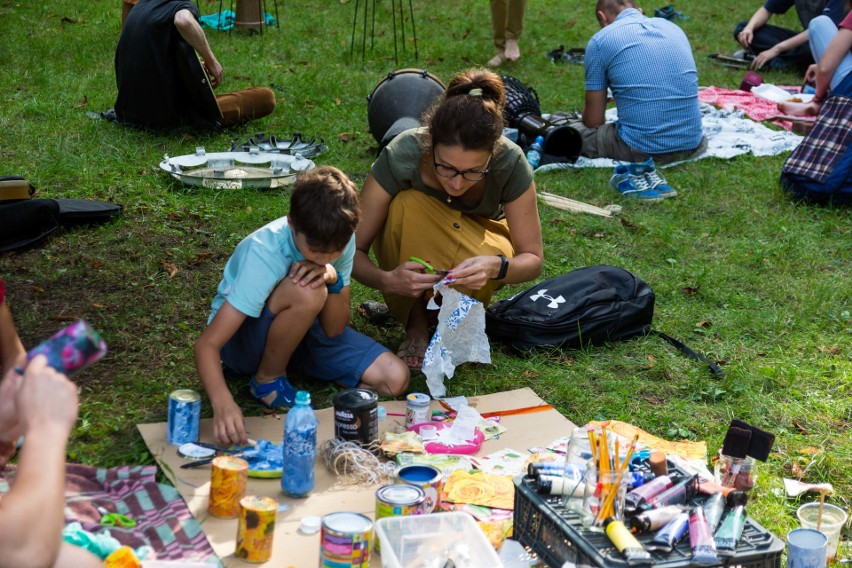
(408, 541)
(557, 535)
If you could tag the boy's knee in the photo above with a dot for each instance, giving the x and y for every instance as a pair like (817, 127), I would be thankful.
(298, 298)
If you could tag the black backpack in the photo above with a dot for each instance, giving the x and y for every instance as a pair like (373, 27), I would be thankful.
(587, 306)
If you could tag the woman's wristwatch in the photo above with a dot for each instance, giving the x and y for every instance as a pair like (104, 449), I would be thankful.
(504, 268)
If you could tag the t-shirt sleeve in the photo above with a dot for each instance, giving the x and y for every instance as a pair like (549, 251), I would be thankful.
(396, 165)
(778, 6)
(847, 22)
(836, 10)
(520, 177)
(343, 264)
(255, 277)
(595, 67)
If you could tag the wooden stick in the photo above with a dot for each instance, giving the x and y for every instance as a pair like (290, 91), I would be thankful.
(821, 507)
(572, 205)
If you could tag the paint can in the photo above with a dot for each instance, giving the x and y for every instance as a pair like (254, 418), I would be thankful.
(345, 540)
(416, 409)
(398, 500)
(356, 416)
(227, 486)
(426, 477)
(184, 416)
(256, 528)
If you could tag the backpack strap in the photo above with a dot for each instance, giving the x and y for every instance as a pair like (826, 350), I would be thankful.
(715, 370)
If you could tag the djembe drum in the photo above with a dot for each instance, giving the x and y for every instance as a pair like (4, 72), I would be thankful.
(398, 101)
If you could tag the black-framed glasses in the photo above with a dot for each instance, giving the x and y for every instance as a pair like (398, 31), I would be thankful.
(467, 175)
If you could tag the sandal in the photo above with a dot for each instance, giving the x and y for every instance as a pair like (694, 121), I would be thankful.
(413, 349)
(273, 395)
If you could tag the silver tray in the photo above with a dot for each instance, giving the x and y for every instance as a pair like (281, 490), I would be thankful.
(236, 170)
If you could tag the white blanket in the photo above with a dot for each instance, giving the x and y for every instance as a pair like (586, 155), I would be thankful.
(729, 133)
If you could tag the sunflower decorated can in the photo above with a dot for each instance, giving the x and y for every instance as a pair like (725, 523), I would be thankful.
(256, 528)
(227, 486)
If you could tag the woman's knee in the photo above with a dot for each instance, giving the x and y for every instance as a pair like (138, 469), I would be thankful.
(388, 375)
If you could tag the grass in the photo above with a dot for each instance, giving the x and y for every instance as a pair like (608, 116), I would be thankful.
(742, 274)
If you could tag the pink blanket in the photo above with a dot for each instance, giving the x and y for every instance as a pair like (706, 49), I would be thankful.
(754, 107)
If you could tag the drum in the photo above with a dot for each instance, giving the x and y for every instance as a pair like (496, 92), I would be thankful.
(398, 101)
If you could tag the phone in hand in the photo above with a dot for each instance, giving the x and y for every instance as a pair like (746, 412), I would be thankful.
(71, 349)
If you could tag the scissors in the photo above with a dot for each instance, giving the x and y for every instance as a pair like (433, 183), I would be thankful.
(115, 519)
(428, 267)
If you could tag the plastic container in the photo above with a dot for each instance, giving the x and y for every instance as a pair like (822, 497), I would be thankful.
(558, 536)
(535, 152)
(300, 448)
(833, 519)
(441, 537)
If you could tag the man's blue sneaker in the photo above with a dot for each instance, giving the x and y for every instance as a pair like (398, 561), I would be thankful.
(273, 395)
(658, 182)
(631, 181)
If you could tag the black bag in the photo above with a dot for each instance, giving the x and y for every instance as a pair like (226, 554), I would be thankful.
(587, 306)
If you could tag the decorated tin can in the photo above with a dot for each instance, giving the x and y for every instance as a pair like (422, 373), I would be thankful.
(227, 486)
(356, 416)
(256, 528)
(416, 409)
(184, 417)
(398, 500)
(426, 477)
(345, 540)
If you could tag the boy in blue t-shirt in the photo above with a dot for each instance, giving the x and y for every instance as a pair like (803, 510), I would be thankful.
(284, 301)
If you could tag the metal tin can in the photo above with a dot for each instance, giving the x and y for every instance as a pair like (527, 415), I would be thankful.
(398, 500)
(345, 540)
(426, 477)
(356, 416)
(256, 529)
(227, 486)
(184, 416)
(416, 409)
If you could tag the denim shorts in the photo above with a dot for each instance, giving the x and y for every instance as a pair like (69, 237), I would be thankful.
(341, 359)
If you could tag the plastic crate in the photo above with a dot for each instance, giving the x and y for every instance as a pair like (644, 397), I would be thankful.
(557, 535)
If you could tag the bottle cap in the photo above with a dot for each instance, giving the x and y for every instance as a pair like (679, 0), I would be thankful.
(658, 464)
(303, 397)
(310, 524)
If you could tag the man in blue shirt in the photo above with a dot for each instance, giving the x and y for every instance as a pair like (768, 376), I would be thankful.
(776, 47)
(283, 303)
(647, 63)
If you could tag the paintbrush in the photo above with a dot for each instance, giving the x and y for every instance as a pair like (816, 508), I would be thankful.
(761, 441)
(735, 445)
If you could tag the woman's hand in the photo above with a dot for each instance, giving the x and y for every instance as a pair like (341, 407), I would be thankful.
(409, 279)
(475, 272)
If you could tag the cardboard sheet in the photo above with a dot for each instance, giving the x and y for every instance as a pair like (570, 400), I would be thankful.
(291, 547)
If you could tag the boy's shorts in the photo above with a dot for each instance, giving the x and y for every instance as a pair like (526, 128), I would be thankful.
(341, 359)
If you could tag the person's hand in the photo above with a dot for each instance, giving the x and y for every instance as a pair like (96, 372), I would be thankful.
(764, 57)
(214, 71)
(475, 272)
(810, 74)
(307, 273)
(229, 425)
(46, 398)
(409, 279)
(745, 37)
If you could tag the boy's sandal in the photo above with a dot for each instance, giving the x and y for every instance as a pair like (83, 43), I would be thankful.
(284, 393)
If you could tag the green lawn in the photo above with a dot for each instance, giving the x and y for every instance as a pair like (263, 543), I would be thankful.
(758, 283)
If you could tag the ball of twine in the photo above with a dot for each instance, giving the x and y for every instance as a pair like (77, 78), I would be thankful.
(354, 464)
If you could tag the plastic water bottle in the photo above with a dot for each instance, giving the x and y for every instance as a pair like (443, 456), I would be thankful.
(300, 448)
(535, 152)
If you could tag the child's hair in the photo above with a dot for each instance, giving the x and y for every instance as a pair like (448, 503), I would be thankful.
(324, 208)
(470, 113)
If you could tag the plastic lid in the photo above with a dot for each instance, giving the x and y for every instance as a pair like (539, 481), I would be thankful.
(303, 397)
(310, 524)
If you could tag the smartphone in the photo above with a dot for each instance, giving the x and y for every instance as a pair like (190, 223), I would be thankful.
(71, 349)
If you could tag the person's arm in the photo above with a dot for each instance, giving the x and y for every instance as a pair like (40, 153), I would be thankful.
(765, 57)
(525, 228)
(594, 111)
(11, 349)
(190, 30)
(757, 21)
(407, 278)
(840, 45)
(32, 513)
(228, 423)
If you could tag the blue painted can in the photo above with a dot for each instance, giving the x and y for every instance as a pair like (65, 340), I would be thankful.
(184, 416)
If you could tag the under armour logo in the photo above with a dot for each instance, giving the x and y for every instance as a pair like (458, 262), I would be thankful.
(554, 302)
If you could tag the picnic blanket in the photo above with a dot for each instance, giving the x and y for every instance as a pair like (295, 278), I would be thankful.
(163, 521)
(729, 133)
(754, 107)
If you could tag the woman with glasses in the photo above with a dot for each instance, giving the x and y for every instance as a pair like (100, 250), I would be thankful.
(455, 193)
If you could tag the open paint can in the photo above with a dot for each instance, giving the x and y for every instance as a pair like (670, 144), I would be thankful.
(345, 540)
(398, 500)
(426, 477)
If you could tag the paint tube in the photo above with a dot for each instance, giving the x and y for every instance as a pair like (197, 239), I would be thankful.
(637, 498)
(556, 469)
(711, 487)
(730, 532)
(654, 519)
(557, 485)
(667, 537)
(678, 494)
(626, 543)
(713, 509)
(701, 539)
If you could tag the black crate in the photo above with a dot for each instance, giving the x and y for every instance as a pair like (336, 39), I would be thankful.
(557, 535)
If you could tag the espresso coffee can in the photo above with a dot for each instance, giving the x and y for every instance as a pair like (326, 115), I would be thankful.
(345, 540)
(356, 416)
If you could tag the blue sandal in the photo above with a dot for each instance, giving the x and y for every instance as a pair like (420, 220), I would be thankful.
(285, 393)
